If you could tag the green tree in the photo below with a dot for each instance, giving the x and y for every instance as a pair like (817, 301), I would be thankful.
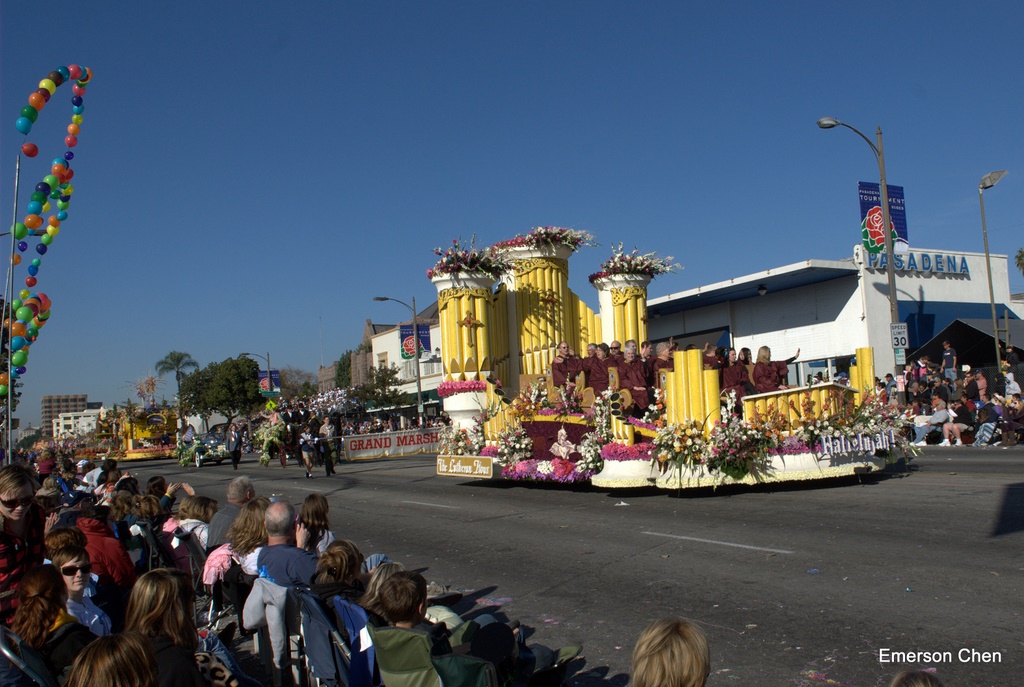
(180, 364)
(343, 370)
(382, 388)
(1019, 259)
(192, 398)
(234, 389)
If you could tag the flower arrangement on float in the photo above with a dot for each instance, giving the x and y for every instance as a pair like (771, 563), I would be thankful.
(458, 258)
(639, 451)
(462, 386)
(453, 440)
(646, 264)
(545, 237)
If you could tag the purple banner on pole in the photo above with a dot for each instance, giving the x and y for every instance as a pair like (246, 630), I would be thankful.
(408, 349)
(871, 217)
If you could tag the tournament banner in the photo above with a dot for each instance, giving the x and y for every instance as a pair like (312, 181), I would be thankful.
(871, 218)
(406, 443)
(275, 380)
(408, 349)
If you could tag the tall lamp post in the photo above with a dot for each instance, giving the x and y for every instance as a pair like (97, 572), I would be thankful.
(988, 181)
(890, 269)
(416, 356)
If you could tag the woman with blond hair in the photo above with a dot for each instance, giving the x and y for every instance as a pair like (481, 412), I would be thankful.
(671, 652)
(771, 375)
(42, 622)
(248, 534)
(22, 528)
(194, 516)
(162, 608)
(370, 601)
(123, 659)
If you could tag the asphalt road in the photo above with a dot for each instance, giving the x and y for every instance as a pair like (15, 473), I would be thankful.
(794, 586)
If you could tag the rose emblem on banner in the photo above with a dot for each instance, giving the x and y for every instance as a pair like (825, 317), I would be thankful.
(872, 230)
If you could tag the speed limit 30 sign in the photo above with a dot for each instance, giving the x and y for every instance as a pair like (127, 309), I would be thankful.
(898, 331)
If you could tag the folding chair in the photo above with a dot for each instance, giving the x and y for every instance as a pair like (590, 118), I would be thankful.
(25, 658)
(362, 659)
(196, 563)
(403, 657)
(326, 653)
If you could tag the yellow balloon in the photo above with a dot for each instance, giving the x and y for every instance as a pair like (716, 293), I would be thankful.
(68, 191)
(48, 85)
(52, 231)
(77, 119)
(46, 206)
(24, 293)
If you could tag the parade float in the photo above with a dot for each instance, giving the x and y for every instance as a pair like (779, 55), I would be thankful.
(505, 308)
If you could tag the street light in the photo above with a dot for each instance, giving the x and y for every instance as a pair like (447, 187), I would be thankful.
(416, 356)
(988, 181)
(890, 269)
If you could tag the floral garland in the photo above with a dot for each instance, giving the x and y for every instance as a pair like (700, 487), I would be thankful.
(554, 470)
(458, 258)
(450, 388)
(621, 452)
(541, 237)
(648, 264)
(456, 441)
(681, 445)
(514, 445)
(270, 437)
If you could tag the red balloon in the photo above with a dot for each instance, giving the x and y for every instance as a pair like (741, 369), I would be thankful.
(70, 141)
(30, 149)
(30, 282)
(78, 90)
(74, 72)
(44, 301)
(70, 173)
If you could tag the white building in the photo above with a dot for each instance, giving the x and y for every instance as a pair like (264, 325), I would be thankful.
(76, 424)
(829, 308)
(387, 350)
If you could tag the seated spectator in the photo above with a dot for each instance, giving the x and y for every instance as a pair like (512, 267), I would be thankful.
(248, 534)
(194, 515)
(961, 419)
(92, 477)
(337, 574)
(107, 485)
(45, 464)
(240, 491)
(162, 608)
(371, 598)
(671, 652)
(60, 537)
(157, 486)
(73, 563)
(565, 366)
(22, 528)
(403, 598)
(110, 562)
(314, 516)
(43, 623)
(597, 369)
(284, 560)
(71, 507)
(926, 425)
(771, 375)
(124, 659)
(916, 678)
(989, 419)
(633, 378)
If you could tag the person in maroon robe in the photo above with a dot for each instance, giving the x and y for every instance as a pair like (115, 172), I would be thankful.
(633, 377)
(565, 366)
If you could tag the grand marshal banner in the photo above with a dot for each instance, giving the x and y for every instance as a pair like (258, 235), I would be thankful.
(407, 443)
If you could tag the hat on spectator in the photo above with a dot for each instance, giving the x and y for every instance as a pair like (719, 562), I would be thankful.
(73, 498)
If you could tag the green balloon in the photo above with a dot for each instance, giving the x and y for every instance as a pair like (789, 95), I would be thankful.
(55, 193)
(62, 204)
(52, 180)
(38, 196)
(24, 313)
(19, 358)
(20, 231)
(32, 331)
(36, 262)
(30, 113)
(46, 239)
(3, 389)
(16, 304)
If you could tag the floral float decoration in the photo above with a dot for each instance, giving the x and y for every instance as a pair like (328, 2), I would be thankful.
(636, 263)
(457, 259)
(549, 237)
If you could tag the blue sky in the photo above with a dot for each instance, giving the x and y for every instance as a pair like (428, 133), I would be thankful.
(248, 171)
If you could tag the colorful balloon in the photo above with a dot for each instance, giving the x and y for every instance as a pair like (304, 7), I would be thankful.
(41, 249)
(20, 230)
(33, 221)
(37, 101)
(48, 85)
(23, 125)
(24, 313)
(30, 282)
(18, 343)
(29, 149)
(19, 358)
(34, 207)
(31, 113)
(69, 140)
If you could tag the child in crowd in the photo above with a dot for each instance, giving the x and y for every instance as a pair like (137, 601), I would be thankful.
(671, 652)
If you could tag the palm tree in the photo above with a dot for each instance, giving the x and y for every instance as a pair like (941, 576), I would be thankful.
(180, 364)
(1020, 260)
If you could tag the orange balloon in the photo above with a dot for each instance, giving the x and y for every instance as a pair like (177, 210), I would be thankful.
(36, 100)
(73, 129)
(53, 221)
(18, 329)
(4, 379)
(57, 170)
(15, 259)
(33, 221)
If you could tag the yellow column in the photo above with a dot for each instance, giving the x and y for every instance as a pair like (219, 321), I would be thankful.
(542, 286)
(464, 310)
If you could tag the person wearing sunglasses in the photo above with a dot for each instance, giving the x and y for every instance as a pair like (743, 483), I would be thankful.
(75, 568)
(22, 528)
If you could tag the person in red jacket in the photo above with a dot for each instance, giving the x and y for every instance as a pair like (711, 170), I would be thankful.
(110, 563)
(771, 375)
(22, 528)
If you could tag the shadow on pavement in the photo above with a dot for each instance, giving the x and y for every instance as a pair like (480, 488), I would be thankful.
(1011, 511)
(594, 677)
